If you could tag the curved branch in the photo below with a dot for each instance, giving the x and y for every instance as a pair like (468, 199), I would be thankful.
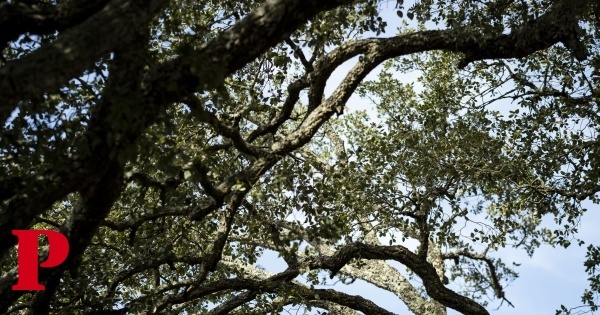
(166, 258)
(284, 114)
(281, 282)
(431, 280)
(232, 133)
(233, 303)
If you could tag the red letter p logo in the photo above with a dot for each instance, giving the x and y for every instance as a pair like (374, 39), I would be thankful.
(58, 249)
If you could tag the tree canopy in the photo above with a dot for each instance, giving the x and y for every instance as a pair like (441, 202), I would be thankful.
(175, 142)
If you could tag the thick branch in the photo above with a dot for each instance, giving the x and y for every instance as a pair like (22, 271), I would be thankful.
(80, 230)
(18, 18)
(206, 67)
(428, 274)
(51, 66)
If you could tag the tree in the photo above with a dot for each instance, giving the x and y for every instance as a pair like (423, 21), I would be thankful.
(173, 142)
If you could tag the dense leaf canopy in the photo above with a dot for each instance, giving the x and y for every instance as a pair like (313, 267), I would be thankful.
(175, 142)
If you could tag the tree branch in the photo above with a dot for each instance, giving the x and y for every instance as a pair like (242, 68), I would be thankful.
(50, 67)
(431, 280)
(17, 18)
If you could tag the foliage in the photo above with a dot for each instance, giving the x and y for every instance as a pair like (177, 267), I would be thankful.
(177, 142)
